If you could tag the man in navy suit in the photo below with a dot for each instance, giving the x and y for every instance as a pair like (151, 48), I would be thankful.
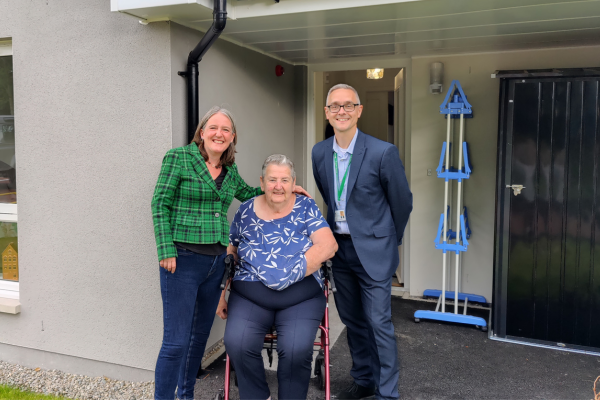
(363, 183)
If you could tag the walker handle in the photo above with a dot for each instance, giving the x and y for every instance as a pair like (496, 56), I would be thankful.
(229, 263)
(329, 275)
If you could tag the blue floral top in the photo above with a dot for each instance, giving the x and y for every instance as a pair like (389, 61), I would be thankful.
(272, 251)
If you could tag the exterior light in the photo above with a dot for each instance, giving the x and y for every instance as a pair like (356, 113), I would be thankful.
(375, 73)
(436, 78)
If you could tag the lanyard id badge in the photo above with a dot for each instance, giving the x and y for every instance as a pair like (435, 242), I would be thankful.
(340, 215)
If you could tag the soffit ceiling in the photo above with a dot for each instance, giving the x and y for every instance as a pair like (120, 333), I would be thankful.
(402, 29)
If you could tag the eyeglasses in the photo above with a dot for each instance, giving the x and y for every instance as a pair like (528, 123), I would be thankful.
(334, 108)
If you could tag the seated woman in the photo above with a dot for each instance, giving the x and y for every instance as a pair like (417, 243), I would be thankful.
(281, 240)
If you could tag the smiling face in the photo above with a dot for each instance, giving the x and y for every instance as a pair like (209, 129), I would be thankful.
(343, 121)
(217, 134)
(277, 184)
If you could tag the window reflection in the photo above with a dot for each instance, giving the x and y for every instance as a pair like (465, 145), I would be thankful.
(8, 181)
(9, 270)
(9, 249)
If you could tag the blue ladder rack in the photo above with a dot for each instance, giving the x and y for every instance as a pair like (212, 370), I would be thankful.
(455, 105)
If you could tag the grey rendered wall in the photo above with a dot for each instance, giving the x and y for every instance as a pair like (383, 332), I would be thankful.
(92, 94)
(428, 133)
(300, 123)
(265, 106)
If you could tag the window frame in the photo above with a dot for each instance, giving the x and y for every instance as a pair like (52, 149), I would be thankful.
(8, 212)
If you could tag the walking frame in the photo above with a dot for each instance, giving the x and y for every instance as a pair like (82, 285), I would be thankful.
(321, 369)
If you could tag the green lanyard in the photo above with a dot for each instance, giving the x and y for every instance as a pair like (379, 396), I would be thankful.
(337, 175)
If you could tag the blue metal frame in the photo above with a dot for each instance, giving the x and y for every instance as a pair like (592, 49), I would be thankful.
(459, 105)
(454, 173)
(445, 246)
(451, 317)
(450, 234)
(473, 298)
(453, 109)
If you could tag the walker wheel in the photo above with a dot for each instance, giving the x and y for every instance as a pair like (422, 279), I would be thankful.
(220, 395)
(322, 377)
(417, 320)
(319, 360)
(320, 373)
(234, 375)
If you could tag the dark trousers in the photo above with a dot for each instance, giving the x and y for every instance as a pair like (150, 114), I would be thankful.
(364, 306)
(296, 313)
(190, 297)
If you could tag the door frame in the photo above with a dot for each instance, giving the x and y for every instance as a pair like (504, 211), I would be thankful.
(503, 175)
(314, 104)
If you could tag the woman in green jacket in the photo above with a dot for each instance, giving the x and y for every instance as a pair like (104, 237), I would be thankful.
(195, 188)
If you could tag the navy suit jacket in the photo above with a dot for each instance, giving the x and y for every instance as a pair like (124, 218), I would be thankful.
(378, 202)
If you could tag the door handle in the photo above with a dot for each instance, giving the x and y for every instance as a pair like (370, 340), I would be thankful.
(516, 189)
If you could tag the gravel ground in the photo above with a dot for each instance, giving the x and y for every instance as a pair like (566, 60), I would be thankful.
(59, 383)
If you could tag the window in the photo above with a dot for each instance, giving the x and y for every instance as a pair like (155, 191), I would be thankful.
(9, 249)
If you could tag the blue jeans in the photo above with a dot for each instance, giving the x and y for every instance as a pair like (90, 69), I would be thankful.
(190, 297)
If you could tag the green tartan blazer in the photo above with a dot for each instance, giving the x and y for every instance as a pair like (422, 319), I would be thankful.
(187, 207)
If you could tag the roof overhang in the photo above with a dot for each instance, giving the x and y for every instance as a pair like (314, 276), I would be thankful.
(158, 10)
(315, 31)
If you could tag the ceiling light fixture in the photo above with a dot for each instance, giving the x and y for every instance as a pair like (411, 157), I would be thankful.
(375, 73)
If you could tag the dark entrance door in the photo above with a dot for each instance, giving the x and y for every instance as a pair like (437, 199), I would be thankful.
(547, 264)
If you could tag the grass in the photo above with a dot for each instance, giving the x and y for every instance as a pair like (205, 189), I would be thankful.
(10, 393)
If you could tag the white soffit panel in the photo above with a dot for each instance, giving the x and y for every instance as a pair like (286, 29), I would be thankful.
(314, 31)
(250, 8)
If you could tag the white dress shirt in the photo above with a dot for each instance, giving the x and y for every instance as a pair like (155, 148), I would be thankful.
(343, 156)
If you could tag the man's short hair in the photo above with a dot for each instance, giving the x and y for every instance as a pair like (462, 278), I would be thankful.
(341, 86)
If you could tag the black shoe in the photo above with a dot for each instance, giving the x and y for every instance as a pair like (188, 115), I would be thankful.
(354, 391)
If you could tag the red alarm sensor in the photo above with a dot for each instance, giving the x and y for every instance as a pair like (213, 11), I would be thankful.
(279, 70)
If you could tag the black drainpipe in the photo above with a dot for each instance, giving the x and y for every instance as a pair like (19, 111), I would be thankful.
(219, 21)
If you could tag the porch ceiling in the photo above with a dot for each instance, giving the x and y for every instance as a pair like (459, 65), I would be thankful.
(390, 29)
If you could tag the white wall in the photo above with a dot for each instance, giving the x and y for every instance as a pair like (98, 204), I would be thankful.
(92, 121)
(428, 133)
